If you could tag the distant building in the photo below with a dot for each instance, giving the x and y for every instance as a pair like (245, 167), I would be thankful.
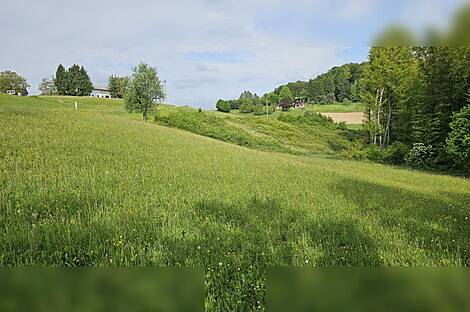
(299, 103)
(100, 92)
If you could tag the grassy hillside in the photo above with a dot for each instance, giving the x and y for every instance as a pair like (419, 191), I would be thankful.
(98, 187)
(293, 132)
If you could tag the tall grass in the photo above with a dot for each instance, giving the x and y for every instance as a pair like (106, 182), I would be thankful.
(286, 133)
(98, 187)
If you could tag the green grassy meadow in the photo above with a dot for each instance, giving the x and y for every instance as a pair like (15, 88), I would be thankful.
(99, 187)
(289, 132)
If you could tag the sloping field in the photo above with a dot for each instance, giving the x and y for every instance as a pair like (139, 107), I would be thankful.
(355, 118)
(98, 187)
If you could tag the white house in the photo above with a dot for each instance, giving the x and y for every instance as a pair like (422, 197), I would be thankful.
(101, 92)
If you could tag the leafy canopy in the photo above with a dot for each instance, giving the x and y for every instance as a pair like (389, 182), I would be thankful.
(10, 80)
(144, 90)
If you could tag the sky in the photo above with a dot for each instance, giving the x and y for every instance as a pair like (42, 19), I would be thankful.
(203, 49)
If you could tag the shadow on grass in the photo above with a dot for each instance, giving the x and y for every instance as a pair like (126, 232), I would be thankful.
(236, 242)
(439, 226)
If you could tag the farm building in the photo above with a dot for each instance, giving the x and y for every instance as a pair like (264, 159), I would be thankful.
(101, 92)
(299, 103)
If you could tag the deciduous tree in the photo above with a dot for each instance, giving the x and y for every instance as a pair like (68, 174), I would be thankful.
(144, 90)
(10, 80)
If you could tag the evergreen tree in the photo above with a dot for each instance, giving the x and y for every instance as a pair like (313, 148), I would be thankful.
(73, 80)
(60, 80)
(85, 85)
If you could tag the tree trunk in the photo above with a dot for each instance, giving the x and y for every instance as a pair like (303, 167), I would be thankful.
(389, 123)
(377, 107)
(144, 113)
(378, 117)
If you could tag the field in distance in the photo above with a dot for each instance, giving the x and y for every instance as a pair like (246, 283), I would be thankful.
(99, 187)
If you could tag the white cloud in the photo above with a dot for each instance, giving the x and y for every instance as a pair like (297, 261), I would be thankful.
(109, 37)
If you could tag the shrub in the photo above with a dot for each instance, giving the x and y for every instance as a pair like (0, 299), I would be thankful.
(395, 153)
(458, 142)
(360, 151)
(261, 110)
(246, 109)
(309, 118)
(420, 156)
(223, 106)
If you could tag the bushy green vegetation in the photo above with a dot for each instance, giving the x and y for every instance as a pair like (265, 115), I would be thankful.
(10, 80)
(286, 132)
(337, 107)
(99, 187)
(411, 96)
(338, 85)
(117, 86)
(458, 143)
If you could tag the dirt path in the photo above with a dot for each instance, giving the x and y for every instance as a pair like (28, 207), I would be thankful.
(349, 118)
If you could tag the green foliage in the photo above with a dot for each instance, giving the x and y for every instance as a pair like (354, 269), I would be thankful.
(223, 106)
(421, 156)
(336, 85)
(246, 109)
(297, 88)
(75, 81)
(117, 86)
(214, 127)
(273, 99)
(144, 90)
(395, 153)
(60, 80)
(10, 80)
(458, 142)
(360, 151)
(309, 118)
(261, 110)
(246, 95)
(388, 82)
(285, 95)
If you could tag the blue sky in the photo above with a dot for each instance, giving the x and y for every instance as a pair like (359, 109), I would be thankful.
(204, 49)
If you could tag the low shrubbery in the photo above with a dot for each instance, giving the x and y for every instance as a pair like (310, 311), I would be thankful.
(215, 127)
(309, 118)
(223, 106)
(395, 153)
(246, 109)
(420, 156)
(261, 110)
(360, 151)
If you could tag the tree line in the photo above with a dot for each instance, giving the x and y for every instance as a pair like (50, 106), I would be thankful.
(252, 103)
(339, 84)
(417, 97)
(416, 104)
